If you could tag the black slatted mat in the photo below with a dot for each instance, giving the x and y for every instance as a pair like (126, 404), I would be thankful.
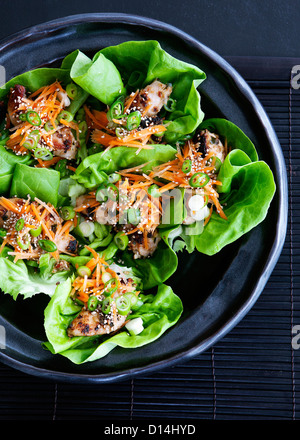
(254, 371)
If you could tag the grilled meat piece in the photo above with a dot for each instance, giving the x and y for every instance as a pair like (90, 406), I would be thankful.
(141, 249)
(96, 323)
(64, 143)
(15, 99)
(209, 142)
(152, 97)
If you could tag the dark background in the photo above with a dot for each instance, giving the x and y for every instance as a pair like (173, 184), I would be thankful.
(230, 27)
(252, 373)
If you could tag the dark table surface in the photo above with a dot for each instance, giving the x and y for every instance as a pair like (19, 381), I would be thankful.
(253, 372)
(232, 27)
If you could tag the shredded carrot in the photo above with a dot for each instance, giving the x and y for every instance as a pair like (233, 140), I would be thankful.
(100, 137)
(138, 134)
(48, 163)
(9, 205)
(71, 168)
(130, 100)
(3, 244)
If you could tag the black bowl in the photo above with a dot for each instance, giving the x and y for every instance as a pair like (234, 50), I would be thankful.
(216, 294)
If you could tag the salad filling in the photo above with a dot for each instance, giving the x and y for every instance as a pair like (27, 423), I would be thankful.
(134, 121)
(33, 228)
(107, 295)
(39, 124)
(195, 169)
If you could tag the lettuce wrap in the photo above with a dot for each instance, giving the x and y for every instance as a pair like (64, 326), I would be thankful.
(159, 312)
(139, 64)
(246, 188)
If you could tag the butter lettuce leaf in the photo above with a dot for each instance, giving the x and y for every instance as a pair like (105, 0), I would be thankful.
(8, 162)
(42, 183)
(159, 313)
(246, 204)
(21, 279)
(98, 77)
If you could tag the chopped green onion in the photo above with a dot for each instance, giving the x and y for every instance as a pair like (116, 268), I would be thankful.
(138, 304)
(72, 90)
(121, 240)
(133, 216)
(205, 199)
(123, 305)
(65, 115)
(92, 303)
(186, 166)
(133, 120)
(82, 127)
(106, 276)
(101, 231)
(91, 238)
(84, 271)
(80, 116)
(20, 224)
(32, 140)
(132, 298)
(49, 126)
(114, 177)
(30, 143)
(36, 232)
(22, 117)
(3, 232)
(86, 228)
(67, 213)
(43, 153)
(116, 109)
(153, 190)
(120, 132)
(78, 301)
(106, 305)
(107, 191)
(110, 287)
(170, 106)
(161, 134)
(47, 245)
(198, 180)
(23, 242)
(216, 161)
(33, 117)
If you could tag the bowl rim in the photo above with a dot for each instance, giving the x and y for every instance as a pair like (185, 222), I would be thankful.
(282, 192)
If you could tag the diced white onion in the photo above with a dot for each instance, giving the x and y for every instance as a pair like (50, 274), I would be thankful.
(196, 202)
(86, 228)
(135, 326)
(201, 214)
